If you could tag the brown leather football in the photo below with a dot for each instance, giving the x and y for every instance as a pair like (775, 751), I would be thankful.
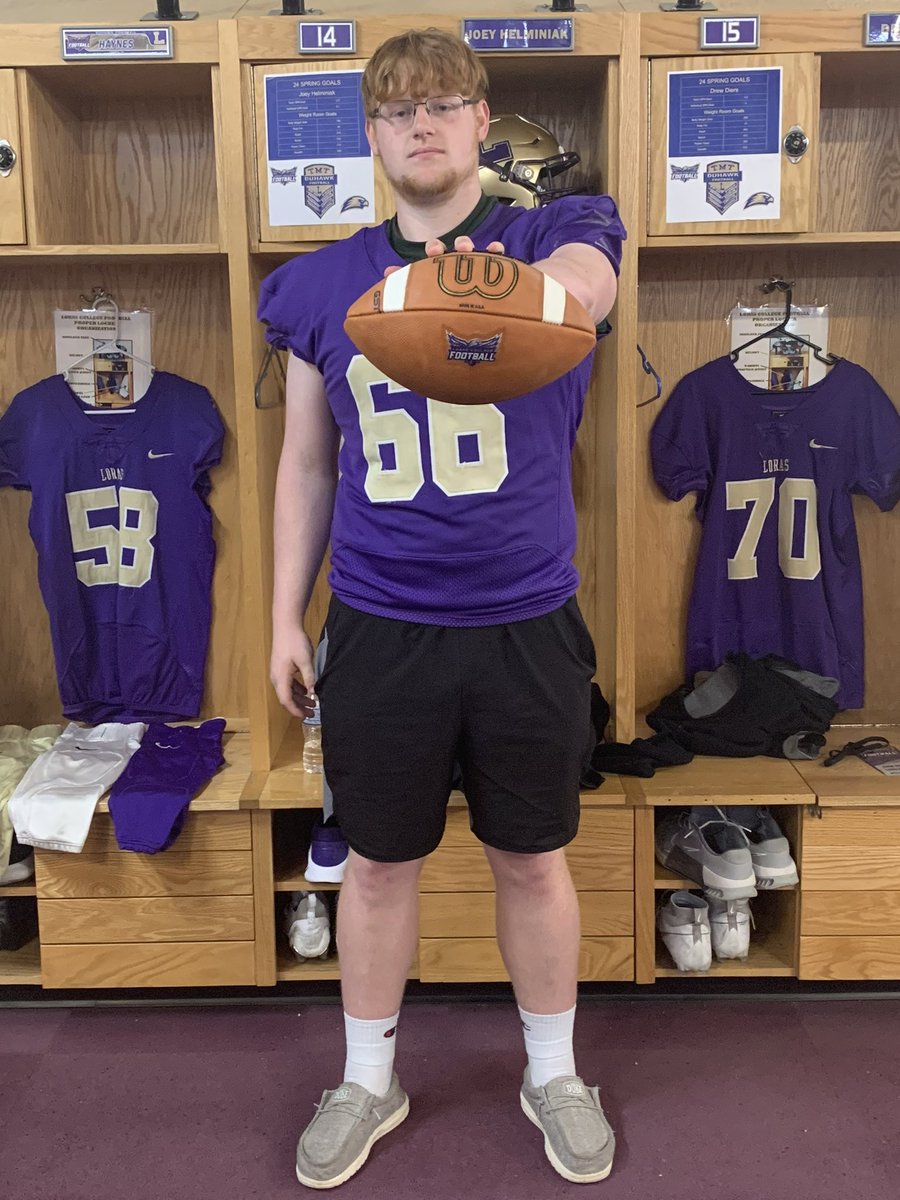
(470, 328)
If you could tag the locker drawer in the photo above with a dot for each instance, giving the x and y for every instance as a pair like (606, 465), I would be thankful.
(165, 964)
(471, 914)
(600, 858)
(148, 919)
(847, 914)
(119, 873)
(477, 960)
(202, 831)
(850, 957)
(856, 849)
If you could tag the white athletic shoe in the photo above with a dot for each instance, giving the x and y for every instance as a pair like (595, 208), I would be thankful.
(307, 925)
(683, 921)
(729, 923)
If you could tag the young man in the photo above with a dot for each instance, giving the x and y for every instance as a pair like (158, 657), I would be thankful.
(453, 634)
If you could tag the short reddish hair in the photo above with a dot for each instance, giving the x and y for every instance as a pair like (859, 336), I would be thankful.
(422, 62)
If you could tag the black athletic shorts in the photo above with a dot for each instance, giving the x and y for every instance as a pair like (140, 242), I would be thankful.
(403, 703)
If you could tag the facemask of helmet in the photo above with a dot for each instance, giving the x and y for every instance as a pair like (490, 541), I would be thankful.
(520, 162)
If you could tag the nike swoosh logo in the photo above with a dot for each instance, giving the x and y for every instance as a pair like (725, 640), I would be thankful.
(818, 445)
(167, 454)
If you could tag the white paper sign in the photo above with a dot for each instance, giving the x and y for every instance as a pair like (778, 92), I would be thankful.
(318, 160)
(780, 364)
(108, 379)
(724, 145)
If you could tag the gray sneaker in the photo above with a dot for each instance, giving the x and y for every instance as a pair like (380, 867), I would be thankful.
(577, 1136)
(347, 1124)
(769, 848)
(706, 847)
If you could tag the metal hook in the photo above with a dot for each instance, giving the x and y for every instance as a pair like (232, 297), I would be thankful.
(270, 356)
(649, 369)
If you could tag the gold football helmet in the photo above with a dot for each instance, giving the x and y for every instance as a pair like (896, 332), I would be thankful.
(520, 161)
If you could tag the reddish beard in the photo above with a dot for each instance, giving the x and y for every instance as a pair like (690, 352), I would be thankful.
(418, 190)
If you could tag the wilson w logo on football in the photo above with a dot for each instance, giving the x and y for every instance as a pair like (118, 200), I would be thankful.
(470, 328)
(486, 275)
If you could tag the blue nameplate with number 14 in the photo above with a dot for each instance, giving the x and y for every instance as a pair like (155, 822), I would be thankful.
(327, 37)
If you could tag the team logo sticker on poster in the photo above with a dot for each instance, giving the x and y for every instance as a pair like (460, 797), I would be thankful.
(723, 184)
(319, 183)
(320, 167)
(723, 139)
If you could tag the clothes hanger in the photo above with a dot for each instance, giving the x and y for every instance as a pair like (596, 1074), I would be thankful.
(104, 299)
(784, 286)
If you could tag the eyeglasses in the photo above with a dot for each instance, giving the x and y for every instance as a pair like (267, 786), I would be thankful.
(400, 114)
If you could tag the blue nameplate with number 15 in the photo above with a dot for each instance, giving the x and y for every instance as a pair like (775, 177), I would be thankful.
(729, 33)
(327, 37)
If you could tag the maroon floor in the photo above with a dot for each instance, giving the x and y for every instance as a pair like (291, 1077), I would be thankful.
(711, 1100)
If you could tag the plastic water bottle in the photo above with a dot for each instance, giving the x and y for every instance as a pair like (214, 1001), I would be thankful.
(312, 743)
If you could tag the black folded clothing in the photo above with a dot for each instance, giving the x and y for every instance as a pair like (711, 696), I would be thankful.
(748, 706)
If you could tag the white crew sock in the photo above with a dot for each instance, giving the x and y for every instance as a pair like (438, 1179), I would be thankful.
(548, 1044)
(370, 1053)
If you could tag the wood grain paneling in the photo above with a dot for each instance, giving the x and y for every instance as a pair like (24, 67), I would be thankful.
(472, 914)
(144, 171)
(850, 958)
(29, 41)
(799, 106)
(856, 850)
(189, 301)
(21, 966)
(308, 227)
(600, 857)
(849, 914)
(598, 33)
(684, 299)
(709, 779)
(851, 782)
(163, 964)
(477, 960)
(217, 873)
(201, 831)
(12, 202)
(861, 829)
(859, 140)
(148, 919)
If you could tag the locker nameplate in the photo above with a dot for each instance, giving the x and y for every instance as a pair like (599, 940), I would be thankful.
(519, 34)
(729, 33)
(326, 37)
(150, 41)
(881, 29)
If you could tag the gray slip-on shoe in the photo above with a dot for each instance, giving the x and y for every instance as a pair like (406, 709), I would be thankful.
(347, 1124)
(578, 1139)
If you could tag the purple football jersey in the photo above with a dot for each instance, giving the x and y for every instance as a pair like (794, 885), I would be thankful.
(778, 569)
(444, 514)
(124, 540)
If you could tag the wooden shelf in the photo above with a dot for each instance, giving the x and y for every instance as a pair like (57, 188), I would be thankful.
(289, 786)
(292, 879)
(852, 782)
(26, 888)
(713, 241)
(288, 967)
(148, 250)
(21, 966)
(765, 958)
(231, 788)
(665, 880)
(713, 780)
